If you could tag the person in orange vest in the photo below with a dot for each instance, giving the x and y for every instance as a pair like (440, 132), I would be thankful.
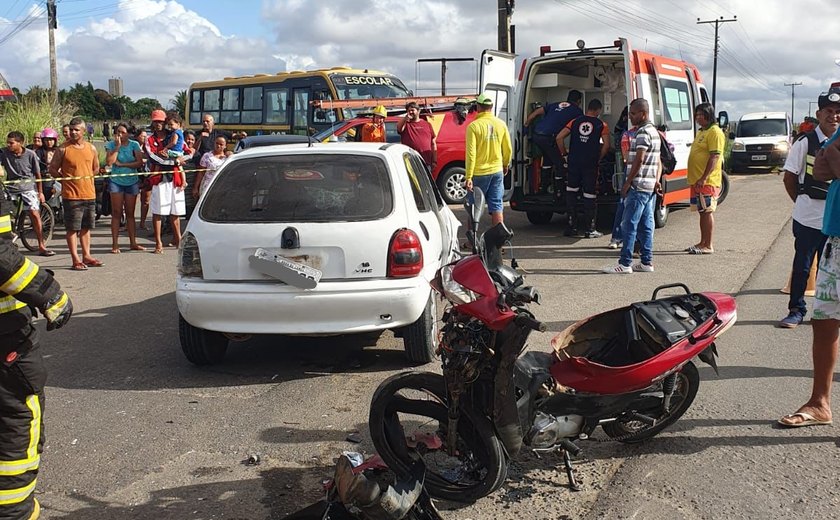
(374, 132)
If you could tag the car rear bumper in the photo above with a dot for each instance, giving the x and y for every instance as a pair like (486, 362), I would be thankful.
(330, 308)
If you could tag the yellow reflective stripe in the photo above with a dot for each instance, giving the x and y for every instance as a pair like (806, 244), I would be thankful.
(15, 496)
(33, 459)
(33, 402)
(21, 278)
(809, 164)
(18, 467)
(9, 304)
(5, 224)
(53, 312)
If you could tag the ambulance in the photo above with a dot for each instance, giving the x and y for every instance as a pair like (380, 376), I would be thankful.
(615, 75)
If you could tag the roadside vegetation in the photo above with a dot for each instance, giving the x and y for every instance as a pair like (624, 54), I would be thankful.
(31, 114)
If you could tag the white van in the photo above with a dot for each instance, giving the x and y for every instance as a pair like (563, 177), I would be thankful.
(614, 74)
(762, 139)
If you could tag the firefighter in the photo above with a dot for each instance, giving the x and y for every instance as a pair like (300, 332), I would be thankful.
(25, 289)
(374, 132)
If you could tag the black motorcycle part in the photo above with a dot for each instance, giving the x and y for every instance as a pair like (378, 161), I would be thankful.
(631, 431)
(494, 239)
(708, 357)
(481, 458)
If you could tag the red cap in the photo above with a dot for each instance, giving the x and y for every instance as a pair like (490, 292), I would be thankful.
(158, 115)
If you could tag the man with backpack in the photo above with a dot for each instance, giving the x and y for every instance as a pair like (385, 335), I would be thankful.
(705, 161)
(808, 196)
(639, 192)
(589, 142)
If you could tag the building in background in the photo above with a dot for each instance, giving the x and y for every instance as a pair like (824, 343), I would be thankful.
(115, 87)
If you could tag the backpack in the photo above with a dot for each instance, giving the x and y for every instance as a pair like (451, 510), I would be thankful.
(666, 155)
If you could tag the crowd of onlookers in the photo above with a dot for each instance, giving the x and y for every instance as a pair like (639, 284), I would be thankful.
(165, 167)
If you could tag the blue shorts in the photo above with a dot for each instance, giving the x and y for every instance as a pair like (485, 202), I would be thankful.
(133, 189)
(493, 186)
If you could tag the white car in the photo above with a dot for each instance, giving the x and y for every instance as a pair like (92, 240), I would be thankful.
(317, 239)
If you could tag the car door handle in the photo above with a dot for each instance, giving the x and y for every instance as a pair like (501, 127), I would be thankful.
(425, 230)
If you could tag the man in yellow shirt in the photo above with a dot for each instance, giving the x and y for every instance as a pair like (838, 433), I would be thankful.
(488, 154)
(704, 174)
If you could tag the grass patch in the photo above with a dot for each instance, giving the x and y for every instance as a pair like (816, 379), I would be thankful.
(33, 115)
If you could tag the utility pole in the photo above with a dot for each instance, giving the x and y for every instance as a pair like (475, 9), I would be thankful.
(506, 30)
(810, 104)
(792, 96)
(52, 24)
(717, 23)
(443, 62)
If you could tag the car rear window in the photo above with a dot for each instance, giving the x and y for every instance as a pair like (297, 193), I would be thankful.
(300, 188)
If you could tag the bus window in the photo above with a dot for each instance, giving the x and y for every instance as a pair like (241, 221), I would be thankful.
(195, 107)
(300, 122)
(230, 106)
(276, 103)
(252, 105)
(212, 103)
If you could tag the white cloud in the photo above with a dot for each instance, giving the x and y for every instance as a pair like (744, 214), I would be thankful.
(159, 47)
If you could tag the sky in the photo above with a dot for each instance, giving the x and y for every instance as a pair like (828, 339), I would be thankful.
(159, 47)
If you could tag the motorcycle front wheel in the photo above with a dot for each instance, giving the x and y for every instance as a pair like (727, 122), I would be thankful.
(408, 421)
(688, 381)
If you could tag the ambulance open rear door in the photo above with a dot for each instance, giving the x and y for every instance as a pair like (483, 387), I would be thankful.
(497, 77)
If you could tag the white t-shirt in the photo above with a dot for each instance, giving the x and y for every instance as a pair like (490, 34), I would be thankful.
(211, 163)
(806, 211)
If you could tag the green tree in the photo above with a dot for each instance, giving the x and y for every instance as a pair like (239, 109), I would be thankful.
(179, 103)
(143, 108)
(83, 97)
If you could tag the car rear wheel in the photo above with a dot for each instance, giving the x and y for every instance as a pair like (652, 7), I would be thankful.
(724, 187)
(202, 347)
(419, 337)
(451, 184)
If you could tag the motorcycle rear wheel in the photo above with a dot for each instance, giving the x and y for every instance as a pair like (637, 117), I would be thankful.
(688, 381)
(414, 403)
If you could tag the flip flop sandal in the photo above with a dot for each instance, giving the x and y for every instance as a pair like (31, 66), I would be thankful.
(694, 250)
(807, 420)
(47, 252)
(79, 267)
(93, 263)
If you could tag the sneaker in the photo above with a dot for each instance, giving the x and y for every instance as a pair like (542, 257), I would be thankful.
(593, 234)
(793, 319)
(642, 268)
(614, 244)
(617, 269)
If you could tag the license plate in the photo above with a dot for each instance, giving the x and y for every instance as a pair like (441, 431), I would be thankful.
(759, 157)
(302, 270)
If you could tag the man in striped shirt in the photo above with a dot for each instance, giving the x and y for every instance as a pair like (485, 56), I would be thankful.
(639, 191)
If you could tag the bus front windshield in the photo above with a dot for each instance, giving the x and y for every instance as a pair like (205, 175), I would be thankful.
(367, 86)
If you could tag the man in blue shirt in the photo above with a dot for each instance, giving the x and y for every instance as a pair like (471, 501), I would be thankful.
(555, 117)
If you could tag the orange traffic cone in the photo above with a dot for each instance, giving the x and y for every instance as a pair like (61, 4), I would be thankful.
(812, 280)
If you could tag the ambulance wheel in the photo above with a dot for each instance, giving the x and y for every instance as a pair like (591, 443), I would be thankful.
(724, 187)
(451, 184)
(539, 218)
(202, 347)
(660, 213)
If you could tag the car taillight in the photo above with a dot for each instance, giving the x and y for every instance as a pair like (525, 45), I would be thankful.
(189, 263)
(405, 254)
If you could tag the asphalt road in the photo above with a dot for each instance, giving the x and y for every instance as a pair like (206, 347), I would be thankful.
(136, 432)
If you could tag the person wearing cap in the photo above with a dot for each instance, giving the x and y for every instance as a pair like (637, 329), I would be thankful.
(488, 154)
(825, 322)
(168, 182)
(374, 132)
(808, 196)
(415, 132)
(76, 162)
(555, 117)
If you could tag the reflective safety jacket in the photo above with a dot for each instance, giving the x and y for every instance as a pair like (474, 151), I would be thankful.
(815, 189)
(23, 284)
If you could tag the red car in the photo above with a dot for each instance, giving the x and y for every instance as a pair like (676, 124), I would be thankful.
(451, 138)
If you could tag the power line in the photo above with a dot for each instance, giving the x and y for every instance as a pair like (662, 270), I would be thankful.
(717, 23)
(792, 96)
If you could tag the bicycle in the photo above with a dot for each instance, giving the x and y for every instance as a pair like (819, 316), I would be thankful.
(22, 226)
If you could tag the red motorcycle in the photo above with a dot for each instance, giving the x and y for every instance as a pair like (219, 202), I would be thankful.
(628, 370)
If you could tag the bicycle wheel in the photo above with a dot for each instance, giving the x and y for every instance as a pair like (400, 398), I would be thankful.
(27, 233)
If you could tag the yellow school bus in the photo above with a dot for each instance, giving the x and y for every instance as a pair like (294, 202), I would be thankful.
(282, 102)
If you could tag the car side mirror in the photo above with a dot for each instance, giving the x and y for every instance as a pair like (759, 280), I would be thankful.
(732, 135)
(723, 119)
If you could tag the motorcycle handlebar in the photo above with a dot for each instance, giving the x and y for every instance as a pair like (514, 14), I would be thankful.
(523, 320)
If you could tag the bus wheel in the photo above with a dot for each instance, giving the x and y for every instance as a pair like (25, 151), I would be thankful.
(660, 213)
(539, 218)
